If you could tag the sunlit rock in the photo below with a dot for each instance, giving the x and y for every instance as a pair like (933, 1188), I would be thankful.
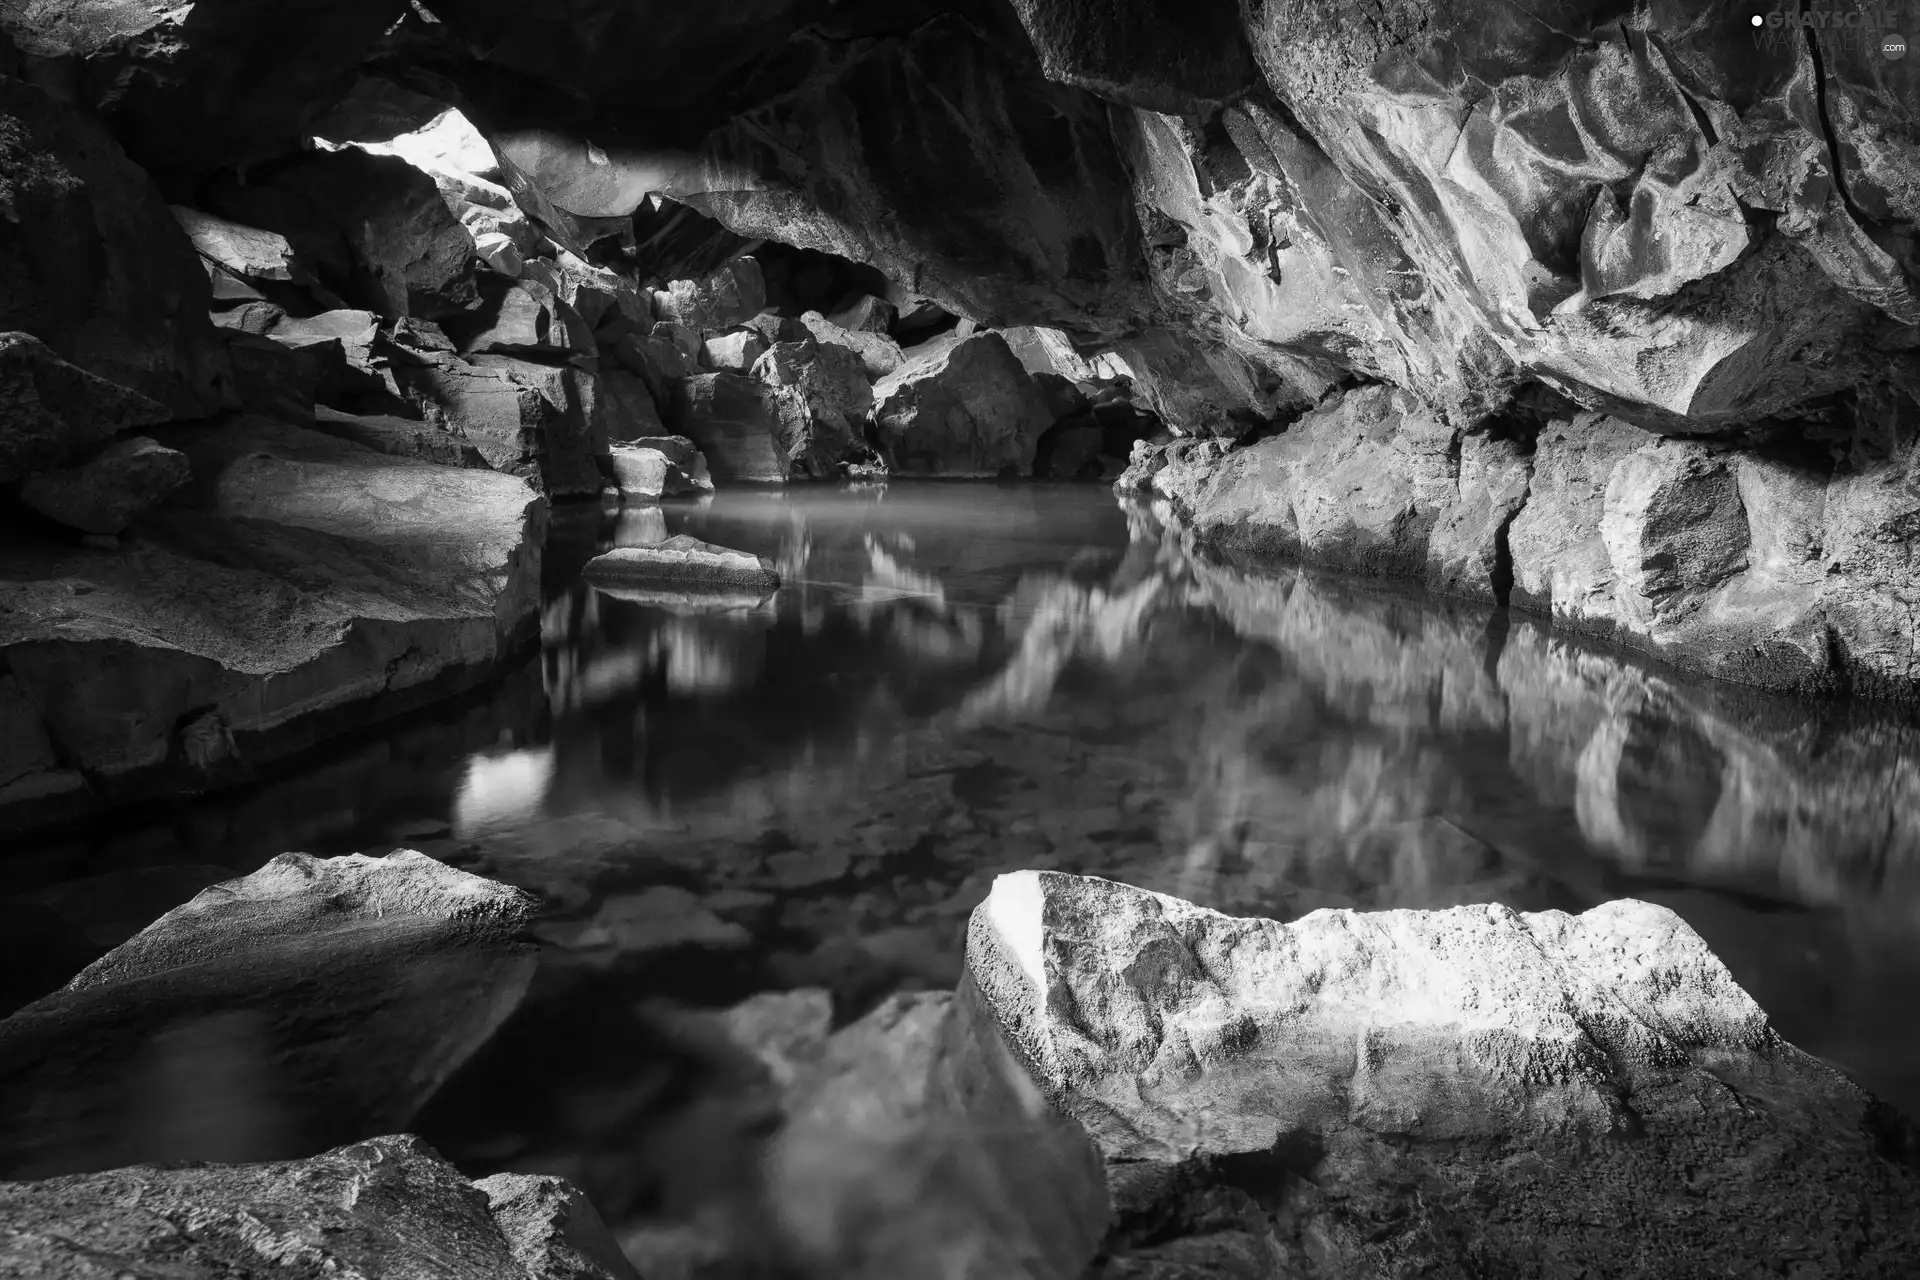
(879, 354)
(553, 1229)
(525, 417)
(734, 349)
(730, 296)
(1552, 1058)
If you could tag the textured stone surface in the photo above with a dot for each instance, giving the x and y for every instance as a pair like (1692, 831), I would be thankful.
(92, 261)
(112, 489)
(52, 411)
(190, 91)
(879, 354)
(541, 421)
(654, 468)
(217, 1026)
(746, 429)
(1587, 1071)
(301, 585)
(967, 408)
(734, 350)
(684, 560)
(732, 295)
(553, 1230)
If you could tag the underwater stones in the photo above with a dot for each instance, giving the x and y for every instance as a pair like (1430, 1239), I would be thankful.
(218, 1022)
(526, 418)
(52, 411)
(110, 490)
(684, 560)
(968, 408)
(914, 1145)
(1587, 1069)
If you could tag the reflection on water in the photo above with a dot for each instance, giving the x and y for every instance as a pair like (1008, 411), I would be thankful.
(721, 797)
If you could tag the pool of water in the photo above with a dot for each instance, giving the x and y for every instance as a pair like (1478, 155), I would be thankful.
(963, 679)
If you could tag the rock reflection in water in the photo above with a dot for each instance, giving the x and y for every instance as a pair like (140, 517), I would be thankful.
(960, 680)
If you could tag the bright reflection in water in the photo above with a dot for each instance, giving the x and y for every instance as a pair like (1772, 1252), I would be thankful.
(721, 797)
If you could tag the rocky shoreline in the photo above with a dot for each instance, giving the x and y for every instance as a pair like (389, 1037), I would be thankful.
(1123, 1085)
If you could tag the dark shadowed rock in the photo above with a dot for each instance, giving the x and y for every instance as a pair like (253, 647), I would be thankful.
(374, 227)
(215, 1033)
(1165, 56)
(401, 437)
(222, 84)
(522, 317)
(966, 408)
(626, 406)
(300, 586)
(683, 561)
(865, 314)
(1584, 1073)
(92, 262)
(110, 490)
(52, 411)
(278, 381)
(525, 418)
(838, 396)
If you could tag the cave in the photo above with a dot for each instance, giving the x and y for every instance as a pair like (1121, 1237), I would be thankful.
(989, 639)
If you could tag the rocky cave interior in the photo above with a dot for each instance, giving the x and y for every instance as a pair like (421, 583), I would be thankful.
(1327, 591)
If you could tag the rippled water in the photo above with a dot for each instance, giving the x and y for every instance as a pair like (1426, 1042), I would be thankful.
(962, 679)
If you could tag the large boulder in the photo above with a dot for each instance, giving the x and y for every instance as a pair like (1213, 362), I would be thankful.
(112, 489)
(528, 419)
(837, 394)
(879, 354)
(92, 262)
(52, 411)
(553, 1229)
(301, 586)
(967, 408)
(1590, 1075)
(214, 1032)
(522, 317)
(745, 428)
(659, 467)
(389, 1206)
(374, 228)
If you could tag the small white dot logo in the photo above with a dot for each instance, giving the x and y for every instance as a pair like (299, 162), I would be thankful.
(1894, 47)
(1759, 21)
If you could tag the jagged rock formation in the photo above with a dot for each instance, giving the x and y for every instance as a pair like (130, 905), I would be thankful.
(1556, 1088)
(389, 1206)
(215, 1031)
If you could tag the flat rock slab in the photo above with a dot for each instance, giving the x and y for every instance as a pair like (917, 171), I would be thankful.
(382, 1209)
(1555, 1087)
(308, 1003)
(684, 561)
(300, 585)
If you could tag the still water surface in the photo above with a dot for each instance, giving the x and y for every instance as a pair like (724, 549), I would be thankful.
(964, 679)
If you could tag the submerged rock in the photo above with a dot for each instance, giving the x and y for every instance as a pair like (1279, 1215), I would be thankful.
(378, 1209)
(1590, 1077)
(683, 561)
(215, 1033)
